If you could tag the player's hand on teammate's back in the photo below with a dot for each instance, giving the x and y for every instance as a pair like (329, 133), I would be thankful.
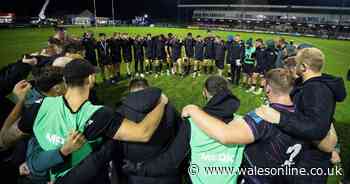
(24, 170)
(73, 143)
(268, 114)
(164, 99)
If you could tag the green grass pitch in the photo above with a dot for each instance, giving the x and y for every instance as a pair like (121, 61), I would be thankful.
(15, 42)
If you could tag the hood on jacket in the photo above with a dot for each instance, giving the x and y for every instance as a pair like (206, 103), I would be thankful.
(223, 106)
(335, 84)
(136, 105)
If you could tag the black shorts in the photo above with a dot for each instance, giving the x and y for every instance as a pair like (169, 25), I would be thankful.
(199, 58)
(248, 68)
(116, 60)
(260, 69)
(220, 64)
(105, 61)
(92, 60)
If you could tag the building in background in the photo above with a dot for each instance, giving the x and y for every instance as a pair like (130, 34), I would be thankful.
(84, 18)
(7, 18)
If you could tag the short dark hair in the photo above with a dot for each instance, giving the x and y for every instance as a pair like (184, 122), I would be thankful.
(75, 72)
(73, 48)
(216, 84)
(101, 34)
(138, 83)
(189, 34)
(259, 40)
(47, 77)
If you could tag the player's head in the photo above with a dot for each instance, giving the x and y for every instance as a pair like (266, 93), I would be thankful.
(214, 85)
(217, 39)
(279, 82)
(102, 36)
(281, 42)
(90, 34)
(238, 38)
(290, 64)
(56, 43)
(161, 37)
(199, 38)
(309, 61)
(52, 50)
(49, 80)
(270, 44)
(149, 36)
(259, 42)
(138, 84)
(230, 38)
(79, 73)
(170, 35)
(189, 35)
(138, 38)
(249, 42)
(74, 50)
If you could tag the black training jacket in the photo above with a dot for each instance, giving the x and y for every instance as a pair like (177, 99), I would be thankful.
(189, 47)
(127, 49)
(199, 50)
(139, 53)
(209, 51)
(135, 107)
(315, 102)
(149, 48)
(219, 51)
(115, 46)
(103, 50)
(234, 51)
(90, 49)
(176, 50)
(271, 56)
(160, 49)
(223, 106)
(260, 54)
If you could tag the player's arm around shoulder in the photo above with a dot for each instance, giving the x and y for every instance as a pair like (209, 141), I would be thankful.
(236, 132)
(143, 131)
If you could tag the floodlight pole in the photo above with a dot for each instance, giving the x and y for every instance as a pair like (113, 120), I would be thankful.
(95, 13)
(113, 14)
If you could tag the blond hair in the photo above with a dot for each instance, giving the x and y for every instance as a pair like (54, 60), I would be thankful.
(312, 57)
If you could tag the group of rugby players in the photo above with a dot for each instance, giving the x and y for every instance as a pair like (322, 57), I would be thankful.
(190, 55)
(56, 133)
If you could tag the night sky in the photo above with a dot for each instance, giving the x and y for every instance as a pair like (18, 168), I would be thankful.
(131, 8)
